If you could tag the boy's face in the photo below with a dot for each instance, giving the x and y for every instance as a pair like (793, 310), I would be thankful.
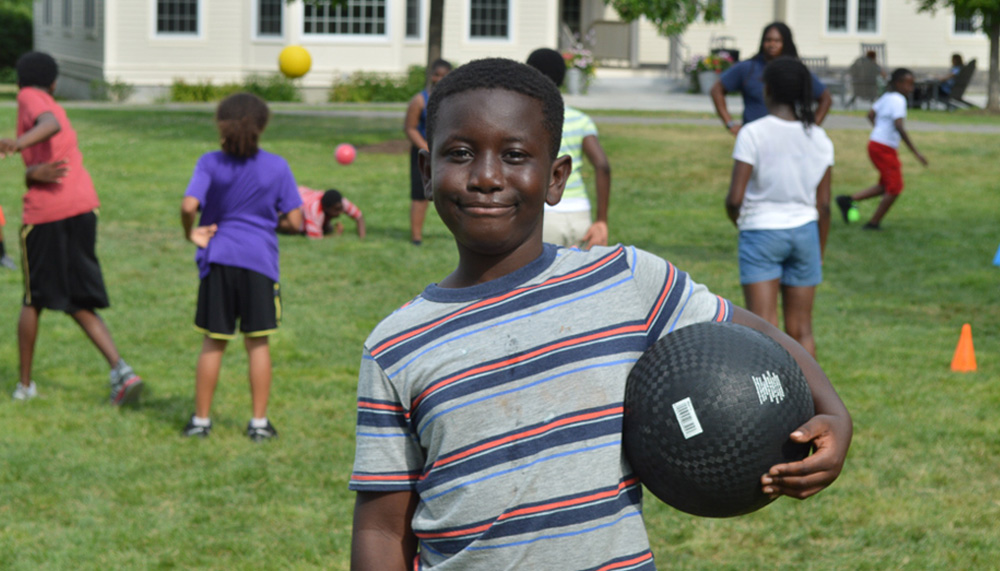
(489, 172)
(334, 211)
(905, 85)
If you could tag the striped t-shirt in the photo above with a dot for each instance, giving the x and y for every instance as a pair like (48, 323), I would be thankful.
(576, 127)
(313, 217)
(501, 406)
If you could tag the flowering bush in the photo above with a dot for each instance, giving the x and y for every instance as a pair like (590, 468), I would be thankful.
(581, 58)
(718, 62)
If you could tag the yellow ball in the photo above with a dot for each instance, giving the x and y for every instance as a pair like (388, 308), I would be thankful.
(294, 61)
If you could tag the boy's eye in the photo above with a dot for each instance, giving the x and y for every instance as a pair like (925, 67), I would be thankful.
(461, 153)
(515, 155)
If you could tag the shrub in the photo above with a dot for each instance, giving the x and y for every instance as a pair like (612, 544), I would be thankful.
(270, 88)
(117, 91)
(17, 36)
(367, 86)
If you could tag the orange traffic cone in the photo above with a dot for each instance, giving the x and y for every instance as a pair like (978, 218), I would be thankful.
(965, 356)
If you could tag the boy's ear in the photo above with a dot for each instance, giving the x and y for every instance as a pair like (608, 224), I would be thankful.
(558, 176)
(424, 166)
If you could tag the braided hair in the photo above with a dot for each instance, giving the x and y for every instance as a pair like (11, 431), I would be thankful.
(789, 82)
(241, 119)
(501, 73)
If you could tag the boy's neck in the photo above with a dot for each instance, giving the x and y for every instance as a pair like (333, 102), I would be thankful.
(475, 268)
(782, 111)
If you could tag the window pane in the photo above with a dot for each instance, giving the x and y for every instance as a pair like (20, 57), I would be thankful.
(489, 18)
(355, 17)
(836, 17)
(89, 14)
(867, 15)
(67, 13)
(412, 18)
(177, 16)
(269, 17)
(964, 25)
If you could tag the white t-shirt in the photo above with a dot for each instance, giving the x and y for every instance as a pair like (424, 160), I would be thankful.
(888, 108)
(789, 162)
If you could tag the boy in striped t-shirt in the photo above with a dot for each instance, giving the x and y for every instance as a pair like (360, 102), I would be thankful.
(490, 406)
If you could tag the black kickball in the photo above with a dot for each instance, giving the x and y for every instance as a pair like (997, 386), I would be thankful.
(708, 410)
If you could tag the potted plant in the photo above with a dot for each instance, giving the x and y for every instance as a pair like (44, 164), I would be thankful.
(705, 70)
(580, 68)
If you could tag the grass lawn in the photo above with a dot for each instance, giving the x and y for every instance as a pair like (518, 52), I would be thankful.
(86, 486)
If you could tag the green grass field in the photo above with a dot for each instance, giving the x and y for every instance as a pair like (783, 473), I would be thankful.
(83, 485)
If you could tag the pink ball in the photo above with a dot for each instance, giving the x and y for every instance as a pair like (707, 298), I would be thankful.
(345, 153)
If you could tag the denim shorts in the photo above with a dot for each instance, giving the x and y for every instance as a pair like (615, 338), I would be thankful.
(791, 254)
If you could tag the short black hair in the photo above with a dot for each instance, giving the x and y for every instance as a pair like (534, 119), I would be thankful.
(36, 69)
(330, 198)
(241, 119)
(898, 74)
(439, 63)
(550, 63)
(501, 73)
(789, 82)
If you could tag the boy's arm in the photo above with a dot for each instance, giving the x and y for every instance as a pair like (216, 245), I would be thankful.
(871, 116)
(906, 139)
(45, 126)
(412, 121)
(597, 234)
(737, 188)
(825, 102)
(293, 219)
(46, 173)
(201, 235)
(830, 431)
(361, 226)
(823, 207)
(382, 538)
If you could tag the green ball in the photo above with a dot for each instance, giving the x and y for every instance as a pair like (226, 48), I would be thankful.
(853, 215)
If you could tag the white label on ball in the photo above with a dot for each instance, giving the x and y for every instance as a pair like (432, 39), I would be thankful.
(769, 388)
(687, 418)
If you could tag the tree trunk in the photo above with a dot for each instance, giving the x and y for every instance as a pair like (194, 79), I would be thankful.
(434, 31)
(993, 90)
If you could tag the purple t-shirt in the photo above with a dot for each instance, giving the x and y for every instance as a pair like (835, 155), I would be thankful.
(244, 197)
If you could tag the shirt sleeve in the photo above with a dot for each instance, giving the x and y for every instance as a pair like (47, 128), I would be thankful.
(201, 179)
(745, 149)
(817, 86)
(387, 456)
(30, 106)
(673, 298)
(897, 108)
(351, 210)
(732, 78)
(288, 196)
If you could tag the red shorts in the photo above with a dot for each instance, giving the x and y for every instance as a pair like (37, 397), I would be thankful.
(886, 160)
(3, 221)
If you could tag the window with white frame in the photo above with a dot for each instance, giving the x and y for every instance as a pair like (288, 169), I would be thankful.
(413, 19)
(353, 18)
(90, 14)
(177, 17)
(67, 14)
(489, 19)
(965, 26)
(47, 12)
(852, 16)
(270, 17)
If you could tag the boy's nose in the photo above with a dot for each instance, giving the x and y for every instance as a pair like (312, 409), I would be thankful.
(486, 174)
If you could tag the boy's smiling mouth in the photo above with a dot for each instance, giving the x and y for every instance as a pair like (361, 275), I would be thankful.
(480, 208)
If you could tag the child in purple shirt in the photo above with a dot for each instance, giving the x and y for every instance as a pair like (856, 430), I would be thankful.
(241, 191)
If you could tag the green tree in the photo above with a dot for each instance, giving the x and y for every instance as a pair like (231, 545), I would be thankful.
(671, 17)
(986, 15)
(16, 34)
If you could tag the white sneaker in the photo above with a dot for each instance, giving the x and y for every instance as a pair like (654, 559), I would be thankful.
(25, 392)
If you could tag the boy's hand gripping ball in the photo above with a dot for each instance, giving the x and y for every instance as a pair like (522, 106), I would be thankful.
(345, 153)
(708, 411)
(294, 61)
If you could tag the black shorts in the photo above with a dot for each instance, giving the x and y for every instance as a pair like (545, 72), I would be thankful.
(60, 265)
(228, 293)
(416, 180)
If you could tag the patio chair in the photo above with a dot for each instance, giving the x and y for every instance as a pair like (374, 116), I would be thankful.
(953, 99)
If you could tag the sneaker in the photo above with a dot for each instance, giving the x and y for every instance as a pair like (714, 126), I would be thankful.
(870, 226)
(22, 392)
(192, 429)
(125, 385)
(848, 208)
(7, 262)
(265, 433)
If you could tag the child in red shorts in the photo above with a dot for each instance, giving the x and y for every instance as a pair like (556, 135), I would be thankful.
(887, 116)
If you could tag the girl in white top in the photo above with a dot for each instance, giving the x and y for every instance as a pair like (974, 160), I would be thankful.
(779, 199)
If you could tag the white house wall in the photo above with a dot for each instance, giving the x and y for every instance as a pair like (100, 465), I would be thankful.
(79, 51)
